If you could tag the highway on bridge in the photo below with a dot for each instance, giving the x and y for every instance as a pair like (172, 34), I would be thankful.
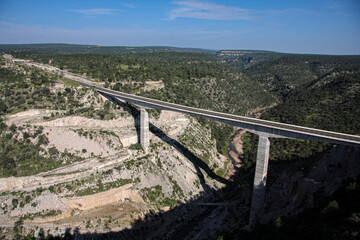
(273, 129)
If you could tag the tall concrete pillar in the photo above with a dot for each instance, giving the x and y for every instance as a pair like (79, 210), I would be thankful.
(258, 196)
(144, 128)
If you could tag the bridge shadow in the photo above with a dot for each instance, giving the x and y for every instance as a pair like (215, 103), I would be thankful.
(129, 108)
(196, 161)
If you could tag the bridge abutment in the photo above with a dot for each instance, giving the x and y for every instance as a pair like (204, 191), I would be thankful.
(258, 196)
(144, 128)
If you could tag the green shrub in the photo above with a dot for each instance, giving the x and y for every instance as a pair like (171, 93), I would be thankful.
(135, 146)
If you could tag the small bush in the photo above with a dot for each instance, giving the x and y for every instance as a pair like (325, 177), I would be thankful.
(136, 146)
(332, 206)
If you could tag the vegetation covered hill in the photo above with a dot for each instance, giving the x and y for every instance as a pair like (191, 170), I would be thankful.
(329, 102)
(192, 79)
(283, 74)
(313, 90)
(189, 78)
(25, 150)
(244, 59)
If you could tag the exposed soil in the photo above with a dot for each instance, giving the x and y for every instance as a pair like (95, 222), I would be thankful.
(104, 198)
(116, 211)
(235, 153)
(114, 202)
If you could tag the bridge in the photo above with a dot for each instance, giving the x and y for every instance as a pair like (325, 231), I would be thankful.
(265, 129)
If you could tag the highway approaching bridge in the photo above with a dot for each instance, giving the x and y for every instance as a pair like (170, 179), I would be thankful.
(265, 130)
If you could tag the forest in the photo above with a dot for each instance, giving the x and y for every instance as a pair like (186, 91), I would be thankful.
(282, 74)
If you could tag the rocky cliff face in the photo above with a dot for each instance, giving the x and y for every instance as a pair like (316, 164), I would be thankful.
(179, 164)
(292, 192)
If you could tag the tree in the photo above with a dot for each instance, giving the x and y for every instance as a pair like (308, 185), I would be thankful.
(53, 151)
(13, 128)
(3, 107)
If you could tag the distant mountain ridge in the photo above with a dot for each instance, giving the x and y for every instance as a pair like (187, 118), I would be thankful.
(93, 49)
(320, 91)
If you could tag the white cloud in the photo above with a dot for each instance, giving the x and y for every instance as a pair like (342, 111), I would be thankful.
(336, 4)
(288, 12)
(202, 10)
(95, 11)
(130, 5)
(204, 34)
(342, 7)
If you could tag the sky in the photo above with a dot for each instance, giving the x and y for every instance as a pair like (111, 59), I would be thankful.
(293, 26)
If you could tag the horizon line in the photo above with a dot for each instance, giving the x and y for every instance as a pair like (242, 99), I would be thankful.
(180, 47)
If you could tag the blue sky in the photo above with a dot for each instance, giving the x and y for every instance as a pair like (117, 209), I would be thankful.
(296, 26)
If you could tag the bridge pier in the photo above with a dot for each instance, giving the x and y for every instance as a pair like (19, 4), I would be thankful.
(258, 195)
(144, 128)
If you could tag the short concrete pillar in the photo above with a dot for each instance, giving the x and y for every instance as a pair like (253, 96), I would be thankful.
(258, 195)
(144, 128)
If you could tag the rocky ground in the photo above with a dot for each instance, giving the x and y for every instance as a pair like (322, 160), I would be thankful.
(57, 192)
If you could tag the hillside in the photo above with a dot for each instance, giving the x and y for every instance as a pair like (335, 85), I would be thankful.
(314, 90)
(189, 78)
(329, 102)
(285, 73)
(244, 59)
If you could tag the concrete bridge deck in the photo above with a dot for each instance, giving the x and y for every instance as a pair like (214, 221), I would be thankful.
(258, 126)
